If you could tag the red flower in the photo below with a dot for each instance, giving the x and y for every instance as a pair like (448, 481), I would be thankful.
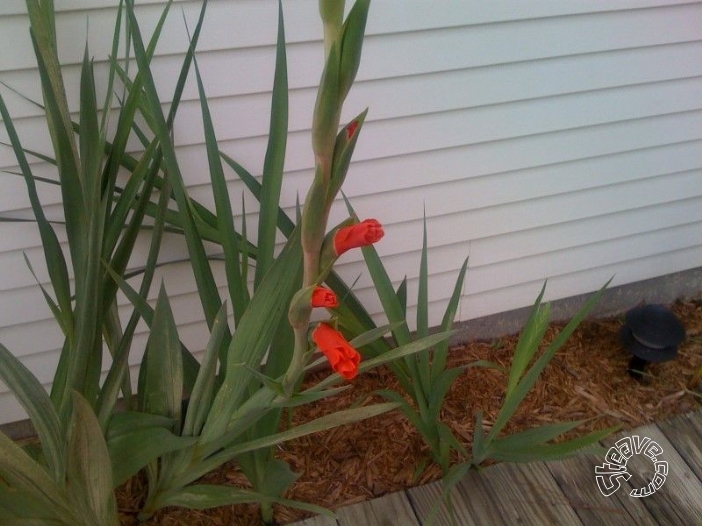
(359, 235)
(323, 297)
(343, 358)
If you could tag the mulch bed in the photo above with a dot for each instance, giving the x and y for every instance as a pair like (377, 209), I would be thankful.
(586, 380)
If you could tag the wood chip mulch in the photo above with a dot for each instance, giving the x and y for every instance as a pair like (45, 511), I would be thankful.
(586, 380)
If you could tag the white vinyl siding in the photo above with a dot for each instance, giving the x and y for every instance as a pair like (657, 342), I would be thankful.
(544, 139)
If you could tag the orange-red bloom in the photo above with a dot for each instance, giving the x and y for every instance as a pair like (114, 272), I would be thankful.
(343, 358)
(359, 235)
(323, 297)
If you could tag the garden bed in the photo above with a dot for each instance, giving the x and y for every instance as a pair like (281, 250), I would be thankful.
(587, 379)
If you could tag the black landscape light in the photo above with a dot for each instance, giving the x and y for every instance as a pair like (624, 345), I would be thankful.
(652, 333)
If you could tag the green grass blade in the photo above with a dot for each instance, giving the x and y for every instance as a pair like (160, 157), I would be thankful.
(274, 159)
(32, 396)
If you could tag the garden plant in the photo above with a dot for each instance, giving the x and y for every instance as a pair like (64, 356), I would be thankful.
(189, 416)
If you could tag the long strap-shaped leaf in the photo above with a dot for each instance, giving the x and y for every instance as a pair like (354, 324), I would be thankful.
(249, 343)
(512, 402)
(238, 288)
(207, 288)
(56, 263)
(275, 157)
(88, 468)
(20, 471)
(31, 394)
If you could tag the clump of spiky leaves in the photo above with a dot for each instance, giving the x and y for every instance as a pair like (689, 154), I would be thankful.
(69, 480)
(234, 407)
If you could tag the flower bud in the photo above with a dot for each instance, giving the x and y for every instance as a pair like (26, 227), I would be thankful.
(362, 234)
(323, 297)
(343, 358)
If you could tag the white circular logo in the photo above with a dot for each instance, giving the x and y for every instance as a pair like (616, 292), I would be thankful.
(610, 474)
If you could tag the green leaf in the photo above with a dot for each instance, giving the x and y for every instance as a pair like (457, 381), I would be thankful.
(162, 389)
(442, 349)
(238, 288)
(351, 45)
(205, 496)
(31, 394)
(55, 261)
(529, 341)
(325, 120)
(390, 356)
(20, 471)
(133, 449)
(88, 468)
(278, 477)
(545, 452)
(512, 402)
(439, 388)
(207, 288)
(372, 335)
(203, 390)
(253, 336)
(339, 418)
(275, 158)
(533, 437)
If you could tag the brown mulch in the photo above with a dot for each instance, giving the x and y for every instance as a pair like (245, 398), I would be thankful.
(586, 380)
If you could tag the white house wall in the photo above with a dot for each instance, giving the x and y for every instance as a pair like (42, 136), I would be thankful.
(558, 140)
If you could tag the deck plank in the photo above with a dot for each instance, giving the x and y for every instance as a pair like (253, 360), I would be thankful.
(425, 498)
(528, 494)
(685, 433)
(679, 500)
(563, 492)
(576, 477)
(318, 520)
(390, 510)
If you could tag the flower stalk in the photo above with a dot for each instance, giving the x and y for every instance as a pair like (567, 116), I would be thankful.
(332, 152)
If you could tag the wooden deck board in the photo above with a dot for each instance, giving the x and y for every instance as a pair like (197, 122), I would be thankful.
(390, 510)
(528, 494)
(685, 433)
(679, 500)
(576, 477)
(472, 508)
(318, 520)
(563, 492)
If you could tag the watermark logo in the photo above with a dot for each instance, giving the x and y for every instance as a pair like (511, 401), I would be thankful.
(610, 474)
